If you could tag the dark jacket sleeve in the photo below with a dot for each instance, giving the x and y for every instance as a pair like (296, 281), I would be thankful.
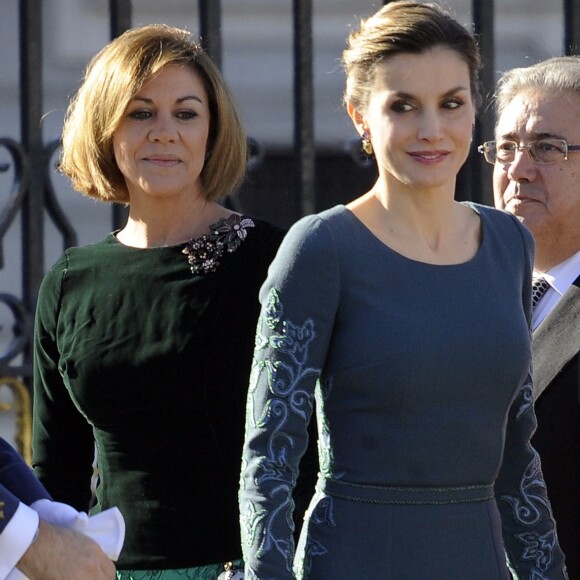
(17, 483)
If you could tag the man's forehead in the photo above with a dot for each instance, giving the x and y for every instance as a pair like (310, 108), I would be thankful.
(537, 115)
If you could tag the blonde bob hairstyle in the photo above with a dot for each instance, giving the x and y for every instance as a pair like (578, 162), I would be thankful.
(112, 79)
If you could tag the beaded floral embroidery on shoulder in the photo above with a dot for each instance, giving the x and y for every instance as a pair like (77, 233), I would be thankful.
(204, 254)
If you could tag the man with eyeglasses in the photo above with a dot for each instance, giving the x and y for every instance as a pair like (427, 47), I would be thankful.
(536, 177)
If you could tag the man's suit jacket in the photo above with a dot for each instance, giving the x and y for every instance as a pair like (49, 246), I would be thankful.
(17, 484)
(556, 350)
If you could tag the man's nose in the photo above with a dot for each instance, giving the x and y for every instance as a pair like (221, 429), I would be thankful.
(523, 166)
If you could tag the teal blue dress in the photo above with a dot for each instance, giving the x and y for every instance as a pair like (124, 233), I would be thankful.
(419, 376)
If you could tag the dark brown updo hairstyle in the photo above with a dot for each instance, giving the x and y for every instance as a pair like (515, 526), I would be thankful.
(404, 27)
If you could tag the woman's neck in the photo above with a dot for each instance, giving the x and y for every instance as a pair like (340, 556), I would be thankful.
(169, 224)
(425, 227)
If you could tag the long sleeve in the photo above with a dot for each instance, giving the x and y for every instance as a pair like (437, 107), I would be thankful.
(299, 302)
(63, 444)
(18, 523)
(528, 527)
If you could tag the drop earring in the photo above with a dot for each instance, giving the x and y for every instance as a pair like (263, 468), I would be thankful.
(366, 144)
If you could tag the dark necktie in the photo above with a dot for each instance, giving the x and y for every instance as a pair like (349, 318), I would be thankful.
(539, 288)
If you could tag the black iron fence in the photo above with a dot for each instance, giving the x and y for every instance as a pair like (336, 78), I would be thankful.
(320, 178)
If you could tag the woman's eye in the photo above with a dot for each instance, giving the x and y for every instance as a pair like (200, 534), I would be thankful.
(401, 106)
(453, 104)
(140, 115)
(186, 115)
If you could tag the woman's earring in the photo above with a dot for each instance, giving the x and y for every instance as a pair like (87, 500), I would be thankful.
(367, 146)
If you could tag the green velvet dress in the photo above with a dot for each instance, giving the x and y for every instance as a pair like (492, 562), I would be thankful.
(148, 352)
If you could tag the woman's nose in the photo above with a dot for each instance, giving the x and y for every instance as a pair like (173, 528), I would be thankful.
(163, 129)
(430, 127)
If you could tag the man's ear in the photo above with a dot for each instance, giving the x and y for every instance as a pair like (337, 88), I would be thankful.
(357, 118)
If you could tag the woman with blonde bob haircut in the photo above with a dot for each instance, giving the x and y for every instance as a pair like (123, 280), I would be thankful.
(143, 341)
(112, 79)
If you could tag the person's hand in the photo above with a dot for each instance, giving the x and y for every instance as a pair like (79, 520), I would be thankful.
(61, 554)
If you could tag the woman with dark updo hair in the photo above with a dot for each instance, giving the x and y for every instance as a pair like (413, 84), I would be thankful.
(402, 319)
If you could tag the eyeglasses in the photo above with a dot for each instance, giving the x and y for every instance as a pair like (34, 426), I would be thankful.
(542, 151)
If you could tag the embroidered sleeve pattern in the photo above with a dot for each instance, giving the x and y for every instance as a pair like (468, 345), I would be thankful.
(528, 526)
(280, 404)
(299, 302)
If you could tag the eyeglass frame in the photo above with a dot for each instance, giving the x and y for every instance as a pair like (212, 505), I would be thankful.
(484, 149)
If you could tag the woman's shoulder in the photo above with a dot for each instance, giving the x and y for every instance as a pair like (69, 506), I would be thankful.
(265, 231)
(314, 239)
(329, 222)
(505, 235)
(332, 216)
(261, 239)
(73, 259)
(491, 214)
(502, 222)
(79, 254)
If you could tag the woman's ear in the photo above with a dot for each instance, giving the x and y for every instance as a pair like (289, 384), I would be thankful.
(357, 118)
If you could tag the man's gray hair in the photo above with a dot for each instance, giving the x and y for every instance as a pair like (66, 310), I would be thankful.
(560, 74)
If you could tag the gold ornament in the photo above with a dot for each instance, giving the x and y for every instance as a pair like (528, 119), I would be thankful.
(367, 146)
